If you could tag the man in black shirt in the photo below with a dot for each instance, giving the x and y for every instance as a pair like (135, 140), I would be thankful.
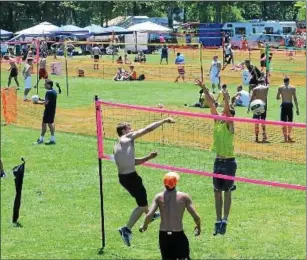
(164, 54)
(255, 75)
(49, 112)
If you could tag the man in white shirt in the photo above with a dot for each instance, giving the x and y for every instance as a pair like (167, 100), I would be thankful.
(242, 98)
(228, 56)
(214, 73)
(96, 52)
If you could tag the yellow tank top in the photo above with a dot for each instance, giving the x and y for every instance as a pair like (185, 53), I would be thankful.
(222, 140)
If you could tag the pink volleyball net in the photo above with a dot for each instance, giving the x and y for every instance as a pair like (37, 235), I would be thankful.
(186, 145)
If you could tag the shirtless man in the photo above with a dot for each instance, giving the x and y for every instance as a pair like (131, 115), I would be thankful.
(43, 74)
(27, 74)
(13, 73)
(172, 203)
(260, 92)
(214, 73)
(125, 160)
(287, 94)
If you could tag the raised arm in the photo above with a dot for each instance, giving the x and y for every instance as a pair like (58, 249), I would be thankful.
(150, 214)
(295, 102)
(226, 103)
(149, 128)
(190, 208)
(209, 99)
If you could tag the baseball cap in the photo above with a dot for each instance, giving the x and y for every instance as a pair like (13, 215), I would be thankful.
(170, 180)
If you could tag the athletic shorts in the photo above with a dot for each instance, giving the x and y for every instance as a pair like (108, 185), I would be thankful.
(261, 116)
(43, 74)
(225, 167)
(174, 245)
(262, 63)
(14, 73)
(28, 82)
(96, 58)
(48, 117)
(181, 71)
(286, 113)
(215, 80)
(164, 57)
(133, 183)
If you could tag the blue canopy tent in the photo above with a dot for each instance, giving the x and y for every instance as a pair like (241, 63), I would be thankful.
(71, 30)
(113, 29)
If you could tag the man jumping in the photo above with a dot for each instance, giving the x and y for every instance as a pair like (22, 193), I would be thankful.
(225, 162)
(124, 156)
(287, 93)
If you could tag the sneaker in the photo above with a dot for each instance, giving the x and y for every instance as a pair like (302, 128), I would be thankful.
(217, 226)
(155, 216)
(126, 235)
(39, 141)
(50, 142)
(223, 227)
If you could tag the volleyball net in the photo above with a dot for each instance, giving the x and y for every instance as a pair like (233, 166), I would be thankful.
(198, 58)
(185, 146)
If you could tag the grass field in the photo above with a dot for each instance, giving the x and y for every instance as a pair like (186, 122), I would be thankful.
(60, 210)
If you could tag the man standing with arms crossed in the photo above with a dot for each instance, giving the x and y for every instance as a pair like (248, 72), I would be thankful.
(287, 94)
(260, 92)
(172, 203)
(225, 162)
(125, 160)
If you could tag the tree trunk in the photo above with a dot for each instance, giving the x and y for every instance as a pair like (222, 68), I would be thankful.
(218, 12)
(170, 16)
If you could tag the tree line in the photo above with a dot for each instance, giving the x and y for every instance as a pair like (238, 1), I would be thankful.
(18, 15)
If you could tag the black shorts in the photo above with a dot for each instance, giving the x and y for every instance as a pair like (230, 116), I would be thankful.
(174, 245)
(286, 113)
(164, 57)
(96, 57)
(261, 116)
(48, 117)
(225, 167)
(262, 63)
(14, 73)
(133, 183)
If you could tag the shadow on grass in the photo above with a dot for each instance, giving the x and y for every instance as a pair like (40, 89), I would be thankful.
(100, 251)
(17, 224)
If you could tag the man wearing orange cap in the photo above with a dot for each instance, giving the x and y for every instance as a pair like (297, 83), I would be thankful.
(225, 162)
(125, 160)
(172, 203)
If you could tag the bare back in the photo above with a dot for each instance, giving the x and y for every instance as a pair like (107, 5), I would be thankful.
(261, 92)
(42, 63)
(287, 93)
(172, 205)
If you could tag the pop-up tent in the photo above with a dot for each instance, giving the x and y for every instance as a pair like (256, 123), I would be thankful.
(42, 29)
(71, 30)
(139, 39)
(95, 29)
(5, 34)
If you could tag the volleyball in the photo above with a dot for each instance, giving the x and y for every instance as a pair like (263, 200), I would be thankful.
(35, 99)
(257, 106)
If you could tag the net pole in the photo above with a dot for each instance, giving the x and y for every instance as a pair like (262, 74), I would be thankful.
(66, 67)
(100, 155)
(201, 61)
(267, 64)
(223, 47)
(37, 65)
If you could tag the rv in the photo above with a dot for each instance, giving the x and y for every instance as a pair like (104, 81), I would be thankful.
(260, 27)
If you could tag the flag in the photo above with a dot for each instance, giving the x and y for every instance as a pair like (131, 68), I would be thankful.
(18, 172)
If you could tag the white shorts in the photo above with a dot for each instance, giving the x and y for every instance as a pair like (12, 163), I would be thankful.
(28, 82)
(214, 80)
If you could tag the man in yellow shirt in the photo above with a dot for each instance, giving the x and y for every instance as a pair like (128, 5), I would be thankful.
(225, 163)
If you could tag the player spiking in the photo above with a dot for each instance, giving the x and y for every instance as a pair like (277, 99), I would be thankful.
(225, 162)
(124, 156)
(287, 93)
(172, 203)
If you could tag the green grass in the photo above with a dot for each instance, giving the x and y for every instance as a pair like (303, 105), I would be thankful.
(60, 210)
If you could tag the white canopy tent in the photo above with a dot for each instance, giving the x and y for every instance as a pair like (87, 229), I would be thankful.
(141, 35)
